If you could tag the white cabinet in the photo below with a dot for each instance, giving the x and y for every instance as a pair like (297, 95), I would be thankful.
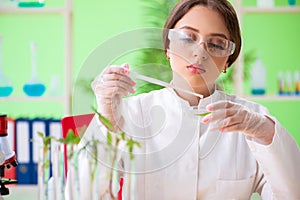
(65, 12)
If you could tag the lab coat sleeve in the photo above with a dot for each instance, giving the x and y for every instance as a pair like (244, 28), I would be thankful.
(280, 163)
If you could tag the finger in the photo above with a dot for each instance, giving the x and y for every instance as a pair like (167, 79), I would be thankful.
(230, 121)
(109, 85)
(99, 87)
(219, 105)
(117, 77)
(123, 69)
(110, 92)
(218, 115)
(113, 69)
(232, 128)
(95, 83)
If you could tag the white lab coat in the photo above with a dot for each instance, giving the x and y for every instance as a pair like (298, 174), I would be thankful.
(182, 158)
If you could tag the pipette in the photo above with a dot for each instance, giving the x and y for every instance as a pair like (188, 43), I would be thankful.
(134, 74)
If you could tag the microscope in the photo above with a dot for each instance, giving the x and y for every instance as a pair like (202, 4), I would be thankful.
(7, 156)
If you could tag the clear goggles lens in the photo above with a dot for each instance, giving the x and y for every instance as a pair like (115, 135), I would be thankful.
(215, 45)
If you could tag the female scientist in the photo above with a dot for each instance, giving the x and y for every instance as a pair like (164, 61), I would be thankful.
(236, 150)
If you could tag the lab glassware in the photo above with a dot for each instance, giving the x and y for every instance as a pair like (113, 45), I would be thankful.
(292, 2)
(6, 87)
(34, 87)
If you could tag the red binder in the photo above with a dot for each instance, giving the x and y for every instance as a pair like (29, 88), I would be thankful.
(12, 171)
(74, 123)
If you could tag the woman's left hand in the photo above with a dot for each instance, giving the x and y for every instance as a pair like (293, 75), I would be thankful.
(233, 117)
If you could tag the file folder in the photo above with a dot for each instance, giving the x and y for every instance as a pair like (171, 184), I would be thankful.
(56, 171)
(24, 151)
(54, 129)
(38, 125)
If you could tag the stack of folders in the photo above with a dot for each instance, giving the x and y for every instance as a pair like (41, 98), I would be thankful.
(23, 134)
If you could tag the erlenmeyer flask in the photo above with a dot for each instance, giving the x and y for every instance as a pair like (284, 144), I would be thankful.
(34, 87)
(5, 84)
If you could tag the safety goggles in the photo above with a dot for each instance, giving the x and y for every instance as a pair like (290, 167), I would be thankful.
(188, 39)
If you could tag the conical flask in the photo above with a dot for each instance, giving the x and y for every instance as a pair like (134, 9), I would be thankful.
(34, 87)
(6, 87)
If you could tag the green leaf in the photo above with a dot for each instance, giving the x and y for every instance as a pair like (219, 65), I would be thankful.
(203, 114)
(137, 144)
(123, 136)
(41, 134)
(130, 144)
(71, 138)
(104, 120)
(109, 138)
(46, 139)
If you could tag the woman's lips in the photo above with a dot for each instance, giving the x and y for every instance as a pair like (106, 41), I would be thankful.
(196, 69)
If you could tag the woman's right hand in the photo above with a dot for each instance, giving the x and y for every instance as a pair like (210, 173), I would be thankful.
(109, 87)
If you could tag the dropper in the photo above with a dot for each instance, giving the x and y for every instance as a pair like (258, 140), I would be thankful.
(134, 74)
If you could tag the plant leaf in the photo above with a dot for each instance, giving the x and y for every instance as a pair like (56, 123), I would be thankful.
(104, 120)
(71, 138)
(203, 114)
(109, 138)
(123, 136)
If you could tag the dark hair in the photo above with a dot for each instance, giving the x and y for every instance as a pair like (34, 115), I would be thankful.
(223, 7)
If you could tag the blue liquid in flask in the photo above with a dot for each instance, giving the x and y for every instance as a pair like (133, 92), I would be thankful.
(34, 90)
(5, 91)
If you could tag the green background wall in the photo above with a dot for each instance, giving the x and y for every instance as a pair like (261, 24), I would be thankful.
(275, 36)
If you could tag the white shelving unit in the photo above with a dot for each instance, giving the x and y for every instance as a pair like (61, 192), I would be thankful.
(274, 98)
(66, 12)
(238, 69)
(285, 9)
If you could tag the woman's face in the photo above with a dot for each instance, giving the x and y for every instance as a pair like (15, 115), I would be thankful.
(195, 65)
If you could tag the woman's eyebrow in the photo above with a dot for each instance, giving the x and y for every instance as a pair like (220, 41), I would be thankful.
(219, 34)
(190, 28)
(196, 30)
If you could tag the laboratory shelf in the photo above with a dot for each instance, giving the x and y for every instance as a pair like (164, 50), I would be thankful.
(18, 191)
(37, 99)
(284, 9)
(273, 97)
(238, 72)
(66, 12)
(43, 10)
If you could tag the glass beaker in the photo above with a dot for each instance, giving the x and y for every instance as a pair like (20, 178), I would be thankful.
(5, 84)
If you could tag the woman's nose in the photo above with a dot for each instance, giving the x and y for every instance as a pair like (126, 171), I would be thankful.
(200, 51)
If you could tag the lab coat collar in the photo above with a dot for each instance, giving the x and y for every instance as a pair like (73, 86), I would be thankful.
(215, 96)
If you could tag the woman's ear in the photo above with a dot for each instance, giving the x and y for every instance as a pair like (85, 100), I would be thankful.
(225, 68)
(168, 54)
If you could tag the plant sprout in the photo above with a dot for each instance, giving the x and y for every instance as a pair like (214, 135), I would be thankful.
(112, 143)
